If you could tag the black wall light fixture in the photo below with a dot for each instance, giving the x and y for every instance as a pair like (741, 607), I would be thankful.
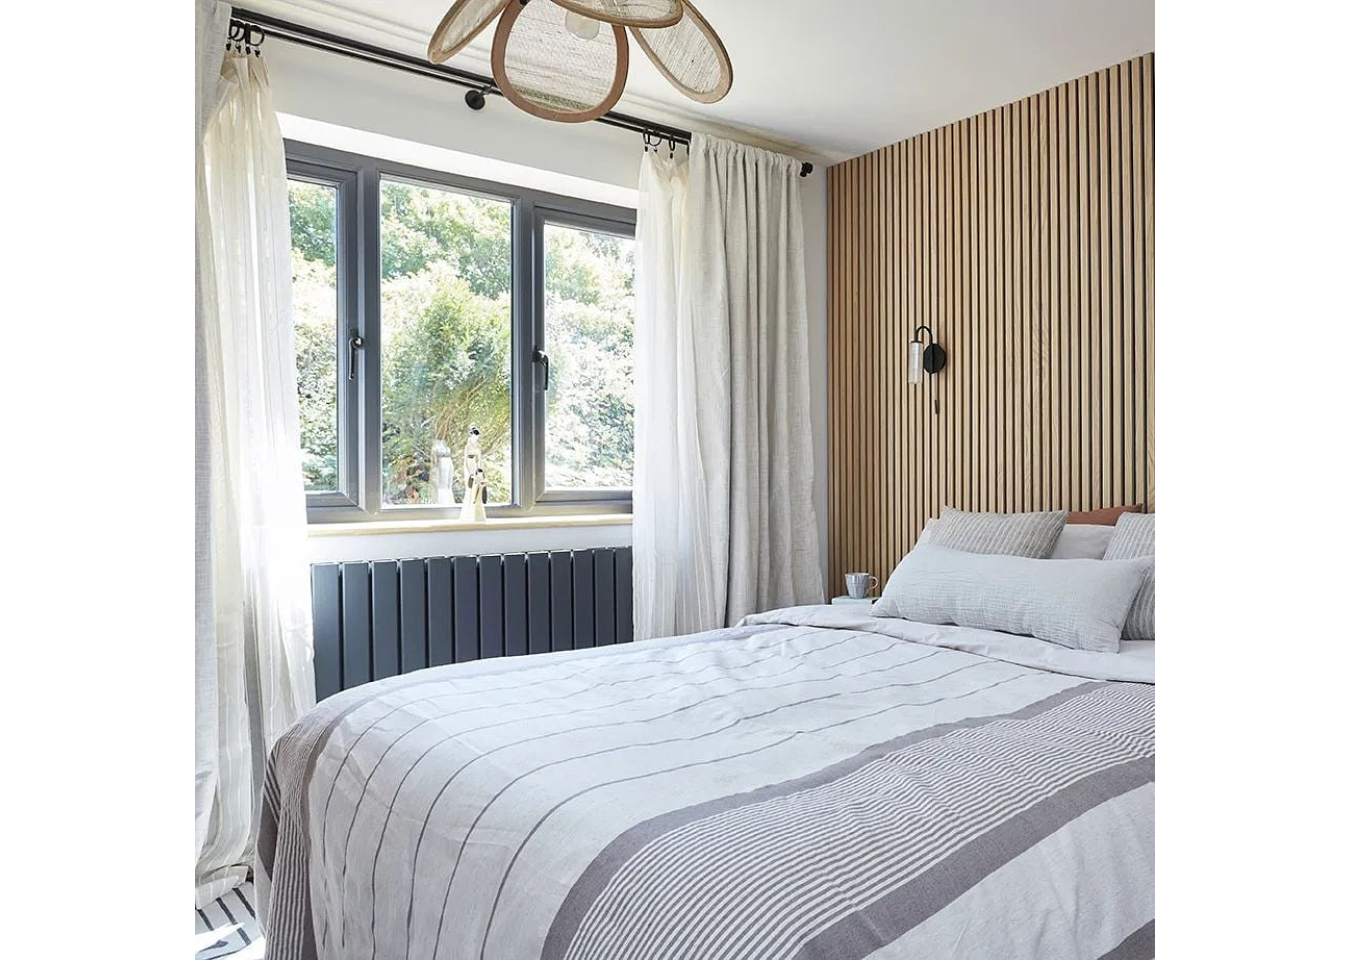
(929, 359)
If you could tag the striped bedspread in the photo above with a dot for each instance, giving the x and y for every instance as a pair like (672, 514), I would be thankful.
(811, 784)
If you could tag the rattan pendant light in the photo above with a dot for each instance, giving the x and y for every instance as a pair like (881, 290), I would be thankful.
(553, 72)
(568, 59)
(690, 55)
(628, 13)
(464, 21)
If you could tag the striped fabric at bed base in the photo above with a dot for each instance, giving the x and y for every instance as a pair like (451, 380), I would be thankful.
(377, 619)
(228, 927)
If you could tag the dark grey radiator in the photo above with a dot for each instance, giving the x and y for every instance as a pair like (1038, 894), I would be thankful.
(375, 619)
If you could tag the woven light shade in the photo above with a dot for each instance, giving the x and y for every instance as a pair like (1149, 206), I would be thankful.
(629, 13)
(549, 72)
(464, 21)
(690, 55)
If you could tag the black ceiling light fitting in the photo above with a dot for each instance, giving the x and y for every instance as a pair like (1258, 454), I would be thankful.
(928, 359)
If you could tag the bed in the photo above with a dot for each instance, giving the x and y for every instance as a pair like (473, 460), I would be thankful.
(814, 783)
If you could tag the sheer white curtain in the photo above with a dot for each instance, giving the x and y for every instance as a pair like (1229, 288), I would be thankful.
(253, 600)
(724, 523)
(672, 565)
(212, 23)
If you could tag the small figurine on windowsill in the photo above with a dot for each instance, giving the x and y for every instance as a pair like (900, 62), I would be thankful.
(473, 457)
(475, 499)
(475, 481)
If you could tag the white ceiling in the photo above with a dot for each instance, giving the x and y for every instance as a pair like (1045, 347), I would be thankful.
(831, 78)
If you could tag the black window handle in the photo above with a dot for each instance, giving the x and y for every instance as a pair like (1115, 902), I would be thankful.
(354, 343)
(540, 356)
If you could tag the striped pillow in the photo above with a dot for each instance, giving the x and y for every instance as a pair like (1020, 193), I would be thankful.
(1133, 537)
(1008, 534)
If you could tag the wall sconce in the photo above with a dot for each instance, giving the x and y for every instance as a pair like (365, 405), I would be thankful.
(930, 359)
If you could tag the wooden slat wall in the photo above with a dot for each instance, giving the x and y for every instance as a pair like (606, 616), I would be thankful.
(1024, 238)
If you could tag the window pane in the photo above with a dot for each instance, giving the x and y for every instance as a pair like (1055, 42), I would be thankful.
(445, 341)
(315, 309)
(588, 317)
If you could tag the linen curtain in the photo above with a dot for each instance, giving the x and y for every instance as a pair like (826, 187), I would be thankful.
(254, 636)
(724, 522)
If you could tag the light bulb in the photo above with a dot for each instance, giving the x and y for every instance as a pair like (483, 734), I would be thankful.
(915, 361)
(583, 28)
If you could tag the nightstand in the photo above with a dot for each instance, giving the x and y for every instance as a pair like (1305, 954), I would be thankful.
(852, 602)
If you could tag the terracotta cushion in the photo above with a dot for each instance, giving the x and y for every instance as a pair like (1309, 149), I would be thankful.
(1106, 516)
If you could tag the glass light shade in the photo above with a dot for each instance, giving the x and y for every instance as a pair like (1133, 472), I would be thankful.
(583, 28)
(915, 361)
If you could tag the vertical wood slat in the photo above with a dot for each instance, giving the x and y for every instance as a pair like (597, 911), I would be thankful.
(1024, 237)
(1146, 128)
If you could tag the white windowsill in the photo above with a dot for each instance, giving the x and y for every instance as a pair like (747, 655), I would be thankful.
(372, 528)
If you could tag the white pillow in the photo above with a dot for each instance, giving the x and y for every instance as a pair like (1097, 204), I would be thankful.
(1075, 603)
(1082, 541)
(1077, 541)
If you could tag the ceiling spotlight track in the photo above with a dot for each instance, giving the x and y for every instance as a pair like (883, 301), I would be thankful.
(478, 87)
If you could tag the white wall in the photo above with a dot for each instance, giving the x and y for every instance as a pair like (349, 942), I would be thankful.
(315, 86)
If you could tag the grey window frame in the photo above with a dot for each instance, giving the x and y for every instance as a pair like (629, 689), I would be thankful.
(359, 462)
(565, 217)
(312, 170)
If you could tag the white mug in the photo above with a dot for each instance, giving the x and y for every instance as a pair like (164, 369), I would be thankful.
(860, 584)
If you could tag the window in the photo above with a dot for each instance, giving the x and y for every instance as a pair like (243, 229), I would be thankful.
(588, 325)
(445, 337)
(315, 308)
(427, 305)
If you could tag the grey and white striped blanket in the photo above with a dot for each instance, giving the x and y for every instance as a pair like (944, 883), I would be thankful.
(812, 784)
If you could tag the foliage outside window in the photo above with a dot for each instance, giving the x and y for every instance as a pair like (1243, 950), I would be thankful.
(314, 304)
(589, 314)
(445, 328)
(464, 298)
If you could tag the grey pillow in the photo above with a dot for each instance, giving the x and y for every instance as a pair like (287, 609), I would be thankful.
(1009, 534)
(1082, 541)
(1075, 603)
(1133, 537)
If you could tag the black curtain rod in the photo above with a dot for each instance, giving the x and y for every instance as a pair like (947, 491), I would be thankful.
(479, 87)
